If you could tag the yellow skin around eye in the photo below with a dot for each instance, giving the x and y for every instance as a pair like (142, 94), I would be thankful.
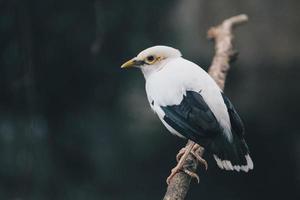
(153, 61)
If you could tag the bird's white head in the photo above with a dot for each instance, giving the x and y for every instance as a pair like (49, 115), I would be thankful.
(152, 59)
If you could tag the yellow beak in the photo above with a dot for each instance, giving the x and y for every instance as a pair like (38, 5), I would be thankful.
(129, 63)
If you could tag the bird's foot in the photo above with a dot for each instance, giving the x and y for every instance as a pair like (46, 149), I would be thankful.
(181, 161)
(195, 152)
(192, 174)
(180, 153)
(178, 168)
(174, 171)
(181, 157)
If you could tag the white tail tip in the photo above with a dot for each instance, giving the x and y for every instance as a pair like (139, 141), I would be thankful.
(227, 165)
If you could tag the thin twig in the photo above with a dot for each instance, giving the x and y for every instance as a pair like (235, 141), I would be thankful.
(224, 55)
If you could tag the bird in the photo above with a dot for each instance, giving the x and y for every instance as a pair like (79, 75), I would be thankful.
(191, 105)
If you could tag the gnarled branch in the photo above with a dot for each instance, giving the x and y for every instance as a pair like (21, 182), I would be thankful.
(224, 55)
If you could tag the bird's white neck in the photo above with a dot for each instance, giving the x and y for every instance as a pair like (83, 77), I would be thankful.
(150, 70)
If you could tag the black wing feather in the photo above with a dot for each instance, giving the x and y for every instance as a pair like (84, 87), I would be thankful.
(235, 120)
(193, 118)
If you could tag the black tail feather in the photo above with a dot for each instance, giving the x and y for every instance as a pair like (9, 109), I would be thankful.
(231, 155)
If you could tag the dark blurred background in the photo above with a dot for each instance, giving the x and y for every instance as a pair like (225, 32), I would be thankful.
(74, 126)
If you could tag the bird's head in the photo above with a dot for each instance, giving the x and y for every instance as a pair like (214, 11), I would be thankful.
(152, 59)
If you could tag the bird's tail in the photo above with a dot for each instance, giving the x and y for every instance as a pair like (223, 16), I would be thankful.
(231, 155)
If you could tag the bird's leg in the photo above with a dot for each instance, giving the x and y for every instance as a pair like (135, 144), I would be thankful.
(192, 174)
(195, 152)
(181, 162)
(180, 153)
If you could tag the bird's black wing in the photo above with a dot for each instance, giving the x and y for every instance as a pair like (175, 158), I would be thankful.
(192, 118)
(235, 120)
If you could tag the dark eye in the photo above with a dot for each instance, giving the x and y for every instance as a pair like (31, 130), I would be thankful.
(150, 59)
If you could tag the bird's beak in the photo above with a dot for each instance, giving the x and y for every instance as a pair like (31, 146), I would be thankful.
(132, 63)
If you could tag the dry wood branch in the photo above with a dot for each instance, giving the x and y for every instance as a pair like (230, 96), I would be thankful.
(224, 55)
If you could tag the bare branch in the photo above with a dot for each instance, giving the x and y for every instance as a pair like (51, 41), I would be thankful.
(224, 55)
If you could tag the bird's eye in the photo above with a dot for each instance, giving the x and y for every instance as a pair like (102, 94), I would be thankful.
(150, 59)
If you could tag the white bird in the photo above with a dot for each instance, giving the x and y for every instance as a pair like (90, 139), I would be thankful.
(191, 105)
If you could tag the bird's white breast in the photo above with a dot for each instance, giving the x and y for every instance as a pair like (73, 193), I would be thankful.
(167, 87)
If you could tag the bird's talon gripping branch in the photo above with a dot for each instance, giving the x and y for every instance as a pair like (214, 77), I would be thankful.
(180, 153)
(185, 152)
(192, 174)
(192, 149)
(200, 159)
(174, 171)
(195, 152)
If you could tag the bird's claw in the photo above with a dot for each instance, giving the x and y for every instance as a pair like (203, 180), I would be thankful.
(200, 159)
(192, 174)
(174, 171)
(180, 153)
(195, 153)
